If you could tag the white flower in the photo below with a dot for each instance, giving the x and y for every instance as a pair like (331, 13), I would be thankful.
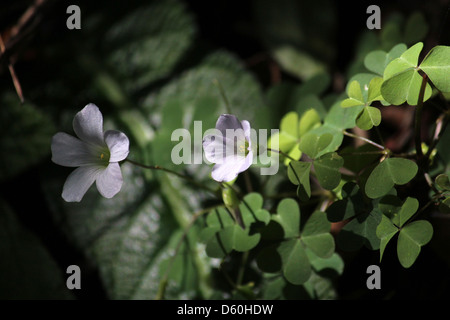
(230, 148)
(96, 153)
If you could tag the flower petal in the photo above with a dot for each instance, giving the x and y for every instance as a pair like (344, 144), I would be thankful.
(246, 127)
(247, 162)
(88, 125)
(229, 169)
(109, 182)
(78, 182)
(227, 121)
(118, 145)
(217, 148)
(69, 151)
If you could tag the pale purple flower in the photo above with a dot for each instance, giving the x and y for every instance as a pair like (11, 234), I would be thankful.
(230, 148)
(94, 152)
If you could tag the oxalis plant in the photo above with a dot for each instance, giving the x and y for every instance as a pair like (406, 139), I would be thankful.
(367, 190)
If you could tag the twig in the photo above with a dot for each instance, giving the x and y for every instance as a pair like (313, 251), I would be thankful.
(156, 167)
(12, 72)
(364, 139)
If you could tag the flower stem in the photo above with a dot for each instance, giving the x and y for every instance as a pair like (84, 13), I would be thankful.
(418, 118)
(282, 153)
(349, 134)
(163, 283)
(182, 176)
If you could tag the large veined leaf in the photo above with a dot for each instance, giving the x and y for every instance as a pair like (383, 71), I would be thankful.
(146, 44)
(25, 136)
(130, 237)
(196, 101)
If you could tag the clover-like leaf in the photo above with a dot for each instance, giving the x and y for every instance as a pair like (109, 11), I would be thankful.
(365, 217)
(290, 256)
(402, 80)
(410, 240)
(407, 210)
(443, 182)
(388, 173)
(312, 144)
(288, 216)
(292, 128)
(437, 66)
(376, 61)
(395, 215)
(355, 96)
(327, 170)
(412, 236)
(223, 234)
(316, 235)
(385, 231)
(296, 267)
(444, 206)
(369, 117)
(298, 173)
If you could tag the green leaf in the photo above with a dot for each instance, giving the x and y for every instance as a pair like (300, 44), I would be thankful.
(236, 238)
(437, 66)
(388, 173)
(385, 231)
(316, 235)
(223, 234)
(334, 262)
(369, 117)
(288, 216)
(167, 36)
(410, 240)
(402, 80)
(312, 144)
(355, 96)
(361, 230)
(291, 254)
(308, 121)
(327, 170)
(356, 159)
(298, 173)
(443, 182)
(365, 217)
(351, 204)
(290, 125)
(26, 134)
(444, 206)
(390, 206)
(376, 61)
(407, 210)
(296, 266)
